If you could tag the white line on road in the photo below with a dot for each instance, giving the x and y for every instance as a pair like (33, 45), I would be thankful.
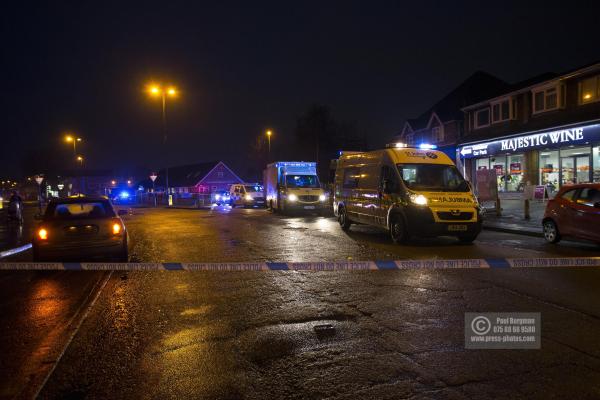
(75, 329)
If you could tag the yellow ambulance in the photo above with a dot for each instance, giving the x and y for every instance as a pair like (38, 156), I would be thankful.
(410, 191)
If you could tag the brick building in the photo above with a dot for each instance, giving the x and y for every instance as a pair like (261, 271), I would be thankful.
(545, 130)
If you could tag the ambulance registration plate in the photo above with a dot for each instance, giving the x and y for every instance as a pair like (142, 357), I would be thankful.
(309, 207)
(457, 228)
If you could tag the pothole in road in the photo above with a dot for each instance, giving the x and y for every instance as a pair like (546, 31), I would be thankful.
(271, 343)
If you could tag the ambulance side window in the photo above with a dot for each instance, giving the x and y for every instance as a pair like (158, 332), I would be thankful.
(387, 173)
(351, 177)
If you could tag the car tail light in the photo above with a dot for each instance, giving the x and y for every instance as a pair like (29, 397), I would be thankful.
(43, 234)
(116, 228)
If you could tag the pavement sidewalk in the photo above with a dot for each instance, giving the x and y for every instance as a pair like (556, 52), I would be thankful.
(512, 219)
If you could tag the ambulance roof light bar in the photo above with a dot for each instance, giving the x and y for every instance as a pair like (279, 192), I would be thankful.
(422, 146)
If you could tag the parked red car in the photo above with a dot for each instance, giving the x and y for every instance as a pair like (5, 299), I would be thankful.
(574, 212)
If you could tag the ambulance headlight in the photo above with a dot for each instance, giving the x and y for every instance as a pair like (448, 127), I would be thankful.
(418, 199)
(292, 197)
(248, 198)
(323, 197)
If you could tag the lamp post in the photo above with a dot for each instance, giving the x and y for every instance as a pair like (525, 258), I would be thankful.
(269, 133)
(74, 140)
(39, 179)
(162, 92)
(153, 177)
(80, 160)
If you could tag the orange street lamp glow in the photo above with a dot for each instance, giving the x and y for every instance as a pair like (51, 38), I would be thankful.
(172, 91)
(68, 139)
(154, 90)
(79, 158)
(587, 96)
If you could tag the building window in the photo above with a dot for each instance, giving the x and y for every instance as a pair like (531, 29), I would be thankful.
(546, 99)
(482, 118)
(437, 134)
(589, 90)
(220, 174)
(501, 111)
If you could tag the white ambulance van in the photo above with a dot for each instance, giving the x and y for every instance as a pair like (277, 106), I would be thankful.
(410, 191)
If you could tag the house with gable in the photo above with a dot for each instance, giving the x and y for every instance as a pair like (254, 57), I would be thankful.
(442, 123)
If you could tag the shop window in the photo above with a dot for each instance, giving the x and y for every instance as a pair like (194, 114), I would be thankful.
(549, 169)
(546, 99)
(499, 165)
(482, 163)
(575, 165)
(482, 118)
(501, 111)
(589, 90)
(596, 163)
(514, 176)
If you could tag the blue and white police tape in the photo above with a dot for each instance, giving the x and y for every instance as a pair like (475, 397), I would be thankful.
(315, 266)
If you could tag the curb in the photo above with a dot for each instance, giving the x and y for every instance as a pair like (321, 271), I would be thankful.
(510, 230)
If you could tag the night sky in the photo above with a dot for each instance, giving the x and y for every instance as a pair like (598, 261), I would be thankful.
(244, 68)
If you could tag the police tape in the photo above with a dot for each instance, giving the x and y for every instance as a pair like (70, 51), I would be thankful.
(493, 263)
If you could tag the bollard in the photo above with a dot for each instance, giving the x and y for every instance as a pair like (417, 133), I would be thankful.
(498, 207)
(527, 216)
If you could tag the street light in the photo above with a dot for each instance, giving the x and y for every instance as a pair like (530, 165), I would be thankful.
(269, 133)
(74, 140)
(156, 90)
(80, 159)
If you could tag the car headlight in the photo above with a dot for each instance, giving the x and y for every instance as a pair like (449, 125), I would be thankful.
(418, 199)
(323, 197)
(292, 197)
(248, 197)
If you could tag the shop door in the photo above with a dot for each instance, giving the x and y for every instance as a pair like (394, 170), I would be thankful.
(575, 169)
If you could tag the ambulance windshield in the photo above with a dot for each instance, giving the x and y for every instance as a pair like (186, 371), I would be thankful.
(302, 181)
(432, 177)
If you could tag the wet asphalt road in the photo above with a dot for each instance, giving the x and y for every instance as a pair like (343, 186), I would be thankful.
(397, 334)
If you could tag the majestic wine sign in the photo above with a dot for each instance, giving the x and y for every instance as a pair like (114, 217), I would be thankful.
(549, 139)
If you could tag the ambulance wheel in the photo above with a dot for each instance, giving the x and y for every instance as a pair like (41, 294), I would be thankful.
(343, 219)
(398, 231)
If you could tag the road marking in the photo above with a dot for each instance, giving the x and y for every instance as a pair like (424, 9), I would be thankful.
(500, 263)
(75, 329)
(16, 250)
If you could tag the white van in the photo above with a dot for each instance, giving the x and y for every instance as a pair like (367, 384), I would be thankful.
(408, 191)
(247, 195)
